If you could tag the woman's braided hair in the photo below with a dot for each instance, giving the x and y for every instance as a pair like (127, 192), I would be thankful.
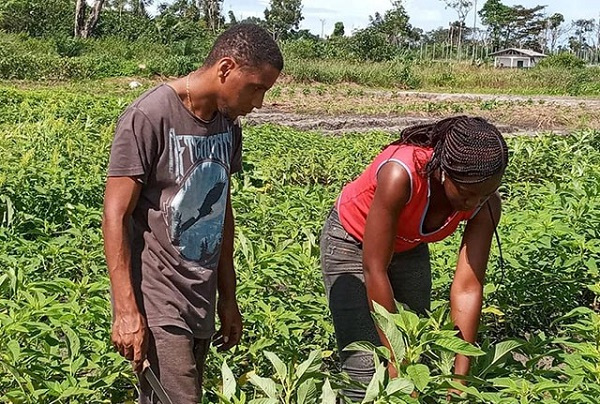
(469, 149)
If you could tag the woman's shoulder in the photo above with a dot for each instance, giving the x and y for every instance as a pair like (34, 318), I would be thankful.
(407, 149)
(412, 156)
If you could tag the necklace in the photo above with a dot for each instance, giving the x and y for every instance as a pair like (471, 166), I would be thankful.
(189, 98)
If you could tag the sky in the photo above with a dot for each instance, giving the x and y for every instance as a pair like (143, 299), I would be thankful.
(321, 15)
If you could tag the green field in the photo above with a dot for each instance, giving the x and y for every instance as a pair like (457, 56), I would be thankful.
(540, 332)
(26, 58)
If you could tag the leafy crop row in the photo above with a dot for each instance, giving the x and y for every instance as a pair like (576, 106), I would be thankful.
(540, 333)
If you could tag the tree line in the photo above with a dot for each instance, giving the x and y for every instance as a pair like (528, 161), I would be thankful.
(387, 32)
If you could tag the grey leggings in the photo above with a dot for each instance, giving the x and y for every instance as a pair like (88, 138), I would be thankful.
(341, 263)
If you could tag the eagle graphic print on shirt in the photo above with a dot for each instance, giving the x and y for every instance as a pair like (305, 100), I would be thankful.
(196, 212)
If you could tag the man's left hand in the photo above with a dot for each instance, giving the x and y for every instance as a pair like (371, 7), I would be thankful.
(231, 325)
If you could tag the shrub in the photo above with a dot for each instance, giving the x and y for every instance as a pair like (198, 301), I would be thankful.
(564, 60)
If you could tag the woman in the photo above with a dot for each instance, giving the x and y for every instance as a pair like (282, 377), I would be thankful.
(374, 242)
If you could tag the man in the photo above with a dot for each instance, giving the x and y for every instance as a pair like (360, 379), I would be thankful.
(168, 223)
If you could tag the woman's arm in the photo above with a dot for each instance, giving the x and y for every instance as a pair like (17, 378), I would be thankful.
(466, 293)
(392, 193)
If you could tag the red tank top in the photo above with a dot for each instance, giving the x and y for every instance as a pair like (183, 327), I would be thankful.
(355, 200)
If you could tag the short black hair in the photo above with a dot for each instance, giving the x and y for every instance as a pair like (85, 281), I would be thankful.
(249, 44)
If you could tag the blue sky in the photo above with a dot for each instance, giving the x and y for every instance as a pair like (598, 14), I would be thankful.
(426, 14)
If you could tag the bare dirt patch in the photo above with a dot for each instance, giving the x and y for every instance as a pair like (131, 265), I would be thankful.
(338, 124)
(349, 108)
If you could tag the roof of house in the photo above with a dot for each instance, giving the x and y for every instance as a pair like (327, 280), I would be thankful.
(526, 52)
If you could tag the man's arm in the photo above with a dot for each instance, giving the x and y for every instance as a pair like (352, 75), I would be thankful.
(227, 308)
(466, 293)
(129, 334)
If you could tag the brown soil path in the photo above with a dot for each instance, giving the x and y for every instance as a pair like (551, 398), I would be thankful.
(346, 108)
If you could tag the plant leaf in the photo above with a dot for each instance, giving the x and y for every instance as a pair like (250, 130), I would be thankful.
(73, 340)
(266, 385)
(386, 323)
(304, 366)
(366, 346)
(229, 384)
(307, 392)
(328, 396)
(280, 367)
(420, 375)
(500, 351)
(374, 387)
(399, 385)
(459, 346)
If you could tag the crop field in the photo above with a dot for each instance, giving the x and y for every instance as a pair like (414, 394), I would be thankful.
(539, 338)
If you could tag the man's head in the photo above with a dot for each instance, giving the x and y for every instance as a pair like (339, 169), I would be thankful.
(247, 62)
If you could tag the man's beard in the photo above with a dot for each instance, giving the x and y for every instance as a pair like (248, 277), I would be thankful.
(226, 112)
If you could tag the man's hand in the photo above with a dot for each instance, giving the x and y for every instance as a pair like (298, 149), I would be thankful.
(130, 338)
(231, 325)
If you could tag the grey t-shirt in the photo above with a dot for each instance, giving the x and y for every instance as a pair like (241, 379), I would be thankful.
(185, 165)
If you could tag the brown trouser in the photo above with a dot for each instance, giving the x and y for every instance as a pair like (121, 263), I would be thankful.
(178, 359)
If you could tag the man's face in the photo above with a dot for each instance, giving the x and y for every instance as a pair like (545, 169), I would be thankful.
(244, 88)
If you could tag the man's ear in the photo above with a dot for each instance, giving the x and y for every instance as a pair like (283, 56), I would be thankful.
(225, 66)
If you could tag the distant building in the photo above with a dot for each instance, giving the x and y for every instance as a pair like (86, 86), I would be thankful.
(516, 58)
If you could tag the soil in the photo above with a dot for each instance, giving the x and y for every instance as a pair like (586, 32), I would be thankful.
(338, 112)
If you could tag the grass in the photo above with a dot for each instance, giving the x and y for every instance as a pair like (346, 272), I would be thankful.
(464, 77)
(527, 113)
(47, 59)
(449, 76)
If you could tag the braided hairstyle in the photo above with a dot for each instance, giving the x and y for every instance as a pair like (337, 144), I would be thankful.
(469, 149)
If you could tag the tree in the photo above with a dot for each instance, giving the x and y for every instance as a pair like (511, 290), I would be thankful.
(37, 17)
(583, 29)
(371, 44)
(184, 9)
(128, 19)
(212, 14)
(462, 8)
(140, 7)
(393, 23)
(254, 20)
(232, 18)
(436, 36)
(555, 29)
(84, 27)
(179, 21)
(496, 16)
(283, 16)
(338, 29)
(529, 27)
(514, 26)
(137, 7)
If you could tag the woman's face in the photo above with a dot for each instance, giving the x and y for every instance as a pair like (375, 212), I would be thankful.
(465, 197)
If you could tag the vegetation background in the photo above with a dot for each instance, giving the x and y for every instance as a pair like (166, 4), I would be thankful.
(65, 67)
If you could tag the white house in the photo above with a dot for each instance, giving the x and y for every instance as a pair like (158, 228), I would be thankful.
(515, 57)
